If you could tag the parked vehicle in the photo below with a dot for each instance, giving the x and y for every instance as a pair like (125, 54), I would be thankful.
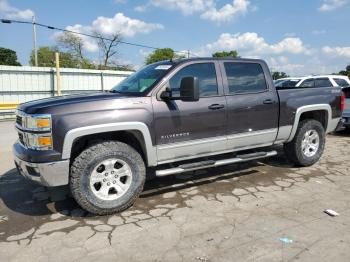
(287, 82)
(173, 117)
(346, 113)
(314, 81)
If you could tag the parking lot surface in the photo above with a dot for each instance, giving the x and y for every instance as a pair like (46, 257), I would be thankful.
(256, 211)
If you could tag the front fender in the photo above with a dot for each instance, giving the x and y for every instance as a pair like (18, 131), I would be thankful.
(73, 134)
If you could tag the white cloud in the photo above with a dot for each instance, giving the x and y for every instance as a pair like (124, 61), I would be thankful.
(337, 51)
(227, 12)
(251, 44)
(282, 63)
(126, 26)
(11, 12)
(330, 5)
(187, 7)
(120, 23)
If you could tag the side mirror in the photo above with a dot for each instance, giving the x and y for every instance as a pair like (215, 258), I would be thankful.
(189, 89)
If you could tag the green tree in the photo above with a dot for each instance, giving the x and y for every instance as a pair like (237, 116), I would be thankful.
(232, 53)
(277, 75)
(8, 57)
(46, 57)
(161, 55)
(74, 45)
(345, 72)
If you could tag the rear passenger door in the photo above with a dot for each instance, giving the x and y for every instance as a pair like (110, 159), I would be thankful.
(252, 104)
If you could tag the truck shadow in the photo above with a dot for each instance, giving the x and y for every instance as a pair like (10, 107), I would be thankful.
(344, 133)
(25, 197)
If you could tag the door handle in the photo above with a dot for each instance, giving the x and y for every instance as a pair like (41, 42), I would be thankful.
(216, 106)
(268, 102)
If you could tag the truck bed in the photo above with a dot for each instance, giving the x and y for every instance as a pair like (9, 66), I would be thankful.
(293, 98)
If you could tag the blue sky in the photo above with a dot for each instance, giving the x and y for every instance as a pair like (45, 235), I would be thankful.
(298, 37)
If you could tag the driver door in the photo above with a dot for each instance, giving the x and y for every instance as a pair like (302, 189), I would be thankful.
(187, 130)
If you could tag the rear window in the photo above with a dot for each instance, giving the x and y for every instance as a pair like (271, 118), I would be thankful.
(341, 82)
(323, 82)
(245, 77)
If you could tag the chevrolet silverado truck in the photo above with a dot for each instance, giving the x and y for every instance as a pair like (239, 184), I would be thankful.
(170, 117)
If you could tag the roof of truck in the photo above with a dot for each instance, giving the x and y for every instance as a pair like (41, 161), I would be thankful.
(183, 60)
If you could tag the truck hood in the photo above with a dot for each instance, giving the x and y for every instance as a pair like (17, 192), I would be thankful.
(69, 102)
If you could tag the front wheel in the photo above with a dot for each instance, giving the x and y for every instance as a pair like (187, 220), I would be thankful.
(107, 177)
(308, 144)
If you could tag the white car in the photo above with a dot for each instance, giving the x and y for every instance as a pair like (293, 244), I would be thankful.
(315, 81)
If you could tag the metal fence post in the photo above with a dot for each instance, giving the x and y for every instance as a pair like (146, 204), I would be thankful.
(102, 82)
(52, 76)
(58, 73)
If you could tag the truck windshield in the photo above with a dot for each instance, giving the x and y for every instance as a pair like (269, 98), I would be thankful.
(143, 80)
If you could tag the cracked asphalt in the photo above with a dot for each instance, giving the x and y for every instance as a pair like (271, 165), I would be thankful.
(233, 213)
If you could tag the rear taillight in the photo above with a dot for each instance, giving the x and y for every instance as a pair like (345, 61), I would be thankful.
(342, 101)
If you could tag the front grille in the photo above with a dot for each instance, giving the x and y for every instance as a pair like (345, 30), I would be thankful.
(19, 120)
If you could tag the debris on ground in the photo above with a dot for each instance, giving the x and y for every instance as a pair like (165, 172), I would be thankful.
(331, 212)
(202, 258)
(286, 240)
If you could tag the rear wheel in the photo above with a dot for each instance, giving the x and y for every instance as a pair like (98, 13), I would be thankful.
(107, 177)
(308, 144)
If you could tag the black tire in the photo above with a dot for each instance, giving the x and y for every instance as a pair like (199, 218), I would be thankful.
(293, 150)
(84, 165)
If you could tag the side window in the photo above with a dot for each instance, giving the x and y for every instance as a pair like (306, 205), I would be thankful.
(206, 74)
(308, 83)
(323, 82)
(245, 77)
(341, 82)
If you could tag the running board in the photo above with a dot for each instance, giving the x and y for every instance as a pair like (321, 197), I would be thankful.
(213, 163)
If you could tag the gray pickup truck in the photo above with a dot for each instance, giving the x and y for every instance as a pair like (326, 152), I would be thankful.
(170, 117)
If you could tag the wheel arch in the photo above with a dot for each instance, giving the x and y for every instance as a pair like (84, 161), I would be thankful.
(320, 112)
(137, 132)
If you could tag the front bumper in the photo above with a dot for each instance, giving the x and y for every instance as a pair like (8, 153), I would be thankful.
(47, 174)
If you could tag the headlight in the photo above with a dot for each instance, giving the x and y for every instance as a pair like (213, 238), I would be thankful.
(35, 131)
(39, 141)
(38, 122)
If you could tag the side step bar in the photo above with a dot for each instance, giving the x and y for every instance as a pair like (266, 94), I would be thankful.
(213, 163)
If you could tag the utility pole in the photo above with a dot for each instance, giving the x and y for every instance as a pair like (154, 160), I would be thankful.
(34, 40)
(188, 53)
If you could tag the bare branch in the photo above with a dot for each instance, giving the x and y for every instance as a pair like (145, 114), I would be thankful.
(108, 46)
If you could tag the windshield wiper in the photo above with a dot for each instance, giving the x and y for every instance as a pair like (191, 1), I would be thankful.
(115, 91)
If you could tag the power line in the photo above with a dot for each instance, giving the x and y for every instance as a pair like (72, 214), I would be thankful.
(10, 21)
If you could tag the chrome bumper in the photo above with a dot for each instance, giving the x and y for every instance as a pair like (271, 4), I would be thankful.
(46, 174)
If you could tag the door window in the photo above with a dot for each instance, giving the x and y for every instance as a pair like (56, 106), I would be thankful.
(245, 77)
(323, 82)
(308, 83)
(206, 74)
